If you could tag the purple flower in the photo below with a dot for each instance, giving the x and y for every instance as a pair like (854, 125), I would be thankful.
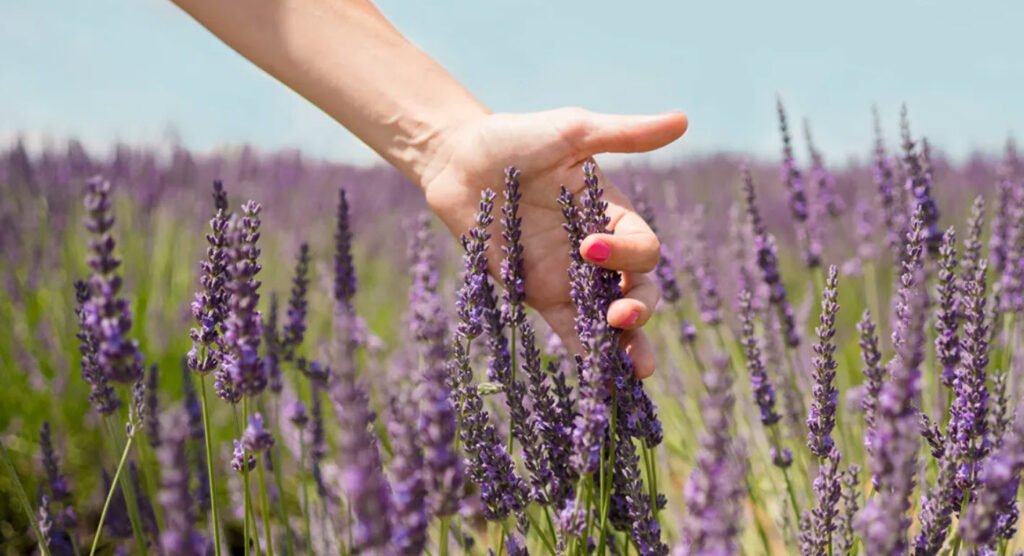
(106, 314)
(295, 327)
(768, 263)
(102, 396)
(209, 308)
(256, 437)
(819, 525)
(993, 512)
(179, 535)
(919, 183)
(362, 475)
(894, 440)
(242, 372)
(409, 495)
(152, 418)
(938, 505)
(715, 488)
(272, 341)
(844, 534)
(344, 270)
(1002, 225)
(764, 391)
(295, 412)
(791, 175)
(427, 320)
(968, 425)
(698, 265)
(56, 482)
(947, 321)
(822, 416)
(822, 178)
(873, 372)
(197, 435)
(630, 494)
(892, 212)
(489, 464)
(240, 459)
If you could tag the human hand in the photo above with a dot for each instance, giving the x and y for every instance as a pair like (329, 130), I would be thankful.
(549, 149)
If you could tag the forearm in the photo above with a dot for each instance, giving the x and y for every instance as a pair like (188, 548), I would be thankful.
(347, 59)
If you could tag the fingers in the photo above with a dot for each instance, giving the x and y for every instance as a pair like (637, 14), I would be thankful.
(632, 248)
(637, 305)
(610, 133)
(639, 349)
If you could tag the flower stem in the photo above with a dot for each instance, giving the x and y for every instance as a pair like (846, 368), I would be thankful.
(245, 476)
(305, 492)
(110, 496)
(131, 501)
(23, 498)
(261, 476)
(443, 539)
(209, 466)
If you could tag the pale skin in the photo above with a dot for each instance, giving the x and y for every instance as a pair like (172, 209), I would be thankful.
(347, 59)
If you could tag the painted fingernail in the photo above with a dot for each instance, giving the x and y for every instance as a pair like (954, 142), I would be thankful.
(631, 319)
(598, 252)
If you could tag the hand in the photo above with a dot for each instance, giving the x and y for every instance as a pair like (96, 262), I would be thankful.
(549, 149)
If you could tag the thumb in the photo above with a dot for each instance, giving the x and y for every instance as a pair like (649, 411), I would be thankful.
(612, 133)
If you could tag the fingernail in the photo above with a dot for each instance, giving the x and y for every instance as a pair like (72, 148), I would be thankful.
(631, 319)
(598, 252)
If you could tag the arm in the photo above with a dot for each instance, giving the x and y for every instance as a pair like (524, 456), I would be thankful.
(343, 56)
(347, 59)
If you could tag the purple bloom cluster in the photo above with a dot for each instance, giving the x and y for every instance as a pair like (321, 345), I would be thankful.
(344, 270)
(919, 184)
(179, 535)
(242, 372)
(409, 493)
(763, 389)
(947, 321)
(106, 314)
(714, 490)
(698, 266)
(102, 396)
(295, 327)
(894, 441)
(822, 416)
(768, 263)
(209, 308)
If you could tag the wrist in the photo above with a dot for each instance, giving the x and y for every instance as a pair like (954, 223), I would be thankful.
(423, 144)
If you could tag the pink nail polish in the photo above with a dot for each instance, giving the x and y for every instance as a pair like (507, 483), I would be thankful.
(631, 319)
(598, 252)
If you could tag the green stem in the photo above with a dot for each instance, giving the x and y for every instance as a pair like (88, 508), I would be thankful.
(245, 475)
(23, 498)
(443, 539)
(282, 513)
(606, 491)
(131, 500)
(209, 466)
(261, 476)
(110, 496)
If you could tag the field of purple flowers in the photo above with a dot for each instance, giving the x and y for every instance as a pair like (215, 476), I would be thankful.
(296, 359)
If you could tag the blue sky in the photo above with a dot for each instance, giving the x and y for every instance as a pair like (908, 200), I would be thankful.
(135, 69)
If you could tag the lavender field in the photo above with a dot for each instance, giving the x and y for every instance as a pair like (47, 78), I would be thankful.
(256, 353)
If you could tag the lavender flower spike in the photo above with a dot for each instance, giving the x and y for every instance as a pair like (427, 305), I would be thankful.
(242, 370)
(362, 475)
(256, 437)
(714, 490)
(819, 526)
(295, 327)
(427, 321)
(409, 533)
(892, 213)
(344, 270)
(894, 441)
(209, 308)
(179, 535)
(919, 182)
(873, 372)
(102, 396)
(106, 313)
(968, 425)
(822, 416)
(790, 172)
(947, 321)
(992, 514)
(822, 178)
(764, 391)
